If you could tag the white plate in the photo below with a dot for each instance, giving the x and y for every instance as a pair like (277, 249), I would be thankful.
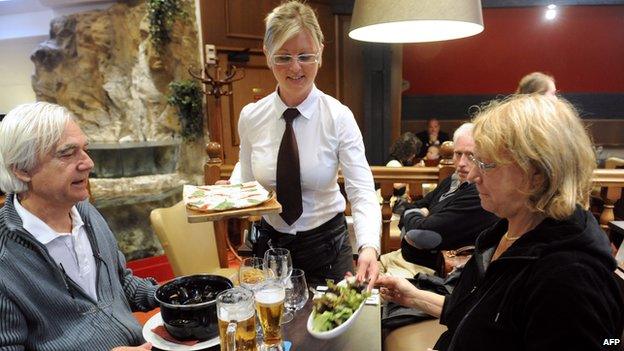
(330, 334)
(163, 344)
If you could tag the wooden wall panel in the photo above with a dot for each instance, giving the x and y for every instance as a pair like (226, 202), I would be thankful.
(237, 26)
(350, 70)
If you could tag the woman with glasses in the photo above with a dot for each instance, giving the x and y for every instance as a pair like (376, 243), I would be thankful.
(293, 141)
(542, 277)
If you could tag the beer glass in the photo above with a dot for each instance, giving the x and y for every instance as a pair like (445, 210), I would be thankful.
(278, 262)
(237, 320)
(269, 306)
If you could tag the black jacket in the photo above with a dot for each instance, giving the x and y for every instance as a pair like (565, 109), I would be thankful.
(458, 219)
(553, 289)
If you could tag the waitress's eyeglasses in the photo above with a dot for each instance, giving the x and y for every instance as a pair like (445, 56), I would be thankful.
(303, 59)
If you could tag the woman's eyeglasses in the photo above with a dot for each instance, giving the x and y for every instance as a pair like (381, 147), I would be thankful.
(483, 167)
(283, 60)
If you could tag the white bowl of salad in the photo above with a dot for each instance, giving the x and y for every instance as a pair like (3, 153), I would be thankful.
(336, 310)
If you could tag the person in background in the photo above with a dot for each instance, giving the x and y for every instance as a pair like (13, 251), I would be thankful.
(433, 153)
(65, 285)
(404, 150)
(403, 153)
(542, 277)
(451, 214)
(537, 83)
(432, 136)
(293, 141)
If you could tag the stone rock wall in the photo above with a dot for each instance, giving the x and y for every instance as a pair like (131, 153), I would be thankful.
(102, 66)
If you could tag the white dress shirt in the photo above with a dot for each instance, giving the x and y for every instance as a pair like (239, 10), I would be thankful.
(327, 138)
(71, 250)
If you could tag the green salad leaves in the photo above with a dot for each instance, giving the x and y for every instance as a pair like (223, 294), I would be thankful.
(338, 304)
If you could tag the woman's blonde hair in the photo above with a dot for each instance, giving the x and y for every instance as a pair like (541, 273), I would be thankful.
(544, 137)
(536, 82)
(286, 21)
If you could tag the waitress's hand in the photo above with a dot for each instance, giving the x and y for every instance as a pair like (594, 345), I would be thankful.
(367, 266)
(146, 346)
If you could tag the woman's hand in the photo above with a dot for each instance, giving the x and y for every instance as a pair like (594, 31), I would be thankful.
(146, 346)
(367, 266)
(398, 290)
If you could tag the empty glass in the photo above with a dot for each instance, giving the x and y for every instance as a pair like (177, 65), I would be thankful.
(296, 291)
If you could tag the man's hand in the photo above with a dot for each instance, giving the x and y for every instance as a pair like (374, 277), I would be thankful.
(146, 346)
(367, 266)
(222, 182)
(424, 211)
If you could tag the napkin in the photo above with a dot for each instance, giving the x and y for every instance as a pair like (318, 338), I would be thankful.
(163, 333)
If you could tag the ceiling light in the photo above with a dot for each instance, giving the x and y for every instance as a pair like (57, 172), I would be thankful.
(415, 21)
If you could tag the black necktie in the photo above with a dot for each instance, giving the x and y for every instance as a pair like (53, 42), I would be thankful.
(288, 176)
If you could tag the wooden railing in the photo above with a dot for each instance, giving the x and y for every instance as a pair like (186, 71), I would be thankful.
(611, 182)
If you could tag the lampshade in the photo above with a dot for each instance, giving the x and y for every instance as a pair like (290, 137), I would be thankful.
(415, 21)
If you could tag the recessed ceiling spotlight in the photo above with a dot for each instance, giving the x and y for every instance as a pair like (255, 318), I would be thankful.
(551, 12)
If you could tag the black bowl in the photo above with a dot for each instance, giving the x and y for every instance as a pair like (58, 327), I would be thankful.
(188, 305)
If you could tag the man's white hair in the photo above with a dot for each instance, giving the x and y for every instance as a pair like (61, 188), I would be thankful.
(28, 132)
(463, 130)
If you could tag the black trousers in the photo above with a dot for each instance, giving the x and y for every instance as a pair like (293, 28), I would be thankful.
(322, 253)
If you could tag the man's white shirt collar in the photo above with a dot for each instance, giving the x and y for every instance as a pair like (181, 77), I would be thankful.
(38, 228)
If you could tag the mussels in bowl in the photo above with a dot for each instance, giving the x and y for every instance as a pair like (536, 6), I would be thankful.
(188, 305)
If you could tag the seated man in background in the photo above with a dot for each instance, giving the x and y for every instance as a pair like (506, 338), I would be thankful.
(450, 216)
(433, 136)
(65, 285)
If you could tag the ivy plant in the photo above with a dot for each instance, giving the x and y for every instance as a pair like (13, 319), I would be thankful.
(162, 14)
(186, 96)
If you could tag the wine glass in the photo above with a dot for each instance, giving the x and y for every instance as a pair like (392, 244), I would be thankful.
(252, 273)
(278, 262)
(296, 291)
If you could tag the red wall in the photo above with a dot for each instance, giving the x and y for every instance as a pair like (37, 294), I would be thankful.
(583, 48)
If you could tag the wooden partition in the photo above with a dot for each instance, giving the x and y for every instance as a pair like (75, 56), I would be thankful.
(611, 182)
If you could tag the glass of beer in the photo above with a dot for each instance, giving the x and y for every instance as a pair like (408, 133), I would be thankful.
(270, 306)
(237, 320)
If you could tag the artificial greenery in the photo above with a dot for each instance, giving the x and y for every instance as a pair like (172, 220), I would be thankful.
(162, 15)
(186, 96)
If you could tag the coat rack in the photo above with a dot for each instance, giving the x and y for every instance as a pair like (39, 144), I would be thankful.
(216, 86)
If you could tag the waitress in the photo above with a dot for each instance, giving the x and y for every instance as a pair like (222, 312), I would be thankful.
(293, 141)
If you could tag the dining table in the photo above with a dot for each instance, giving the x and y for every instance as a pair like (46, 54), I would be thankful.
(363, 335)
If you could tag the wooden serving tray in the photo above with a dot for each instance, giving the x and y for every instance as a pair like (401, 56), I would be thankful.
(269, 206)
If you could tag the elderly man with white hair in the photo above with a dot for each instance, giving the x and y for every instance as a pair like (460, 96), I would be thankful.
(64, 282)
(449, 217)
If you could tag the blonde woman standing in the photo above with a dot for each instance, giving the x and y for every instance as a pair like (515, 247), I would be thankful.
(294, 141)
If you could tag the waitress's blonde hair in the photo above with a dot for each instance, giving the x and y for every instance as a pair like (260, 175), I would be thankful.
(288, 20)
(546, 139)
